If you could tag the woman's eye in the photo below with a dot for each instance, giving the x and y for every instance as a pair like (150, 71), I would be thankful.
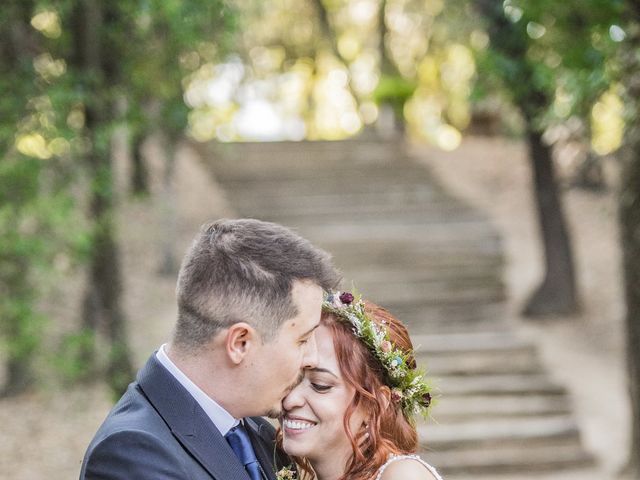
(320, 388)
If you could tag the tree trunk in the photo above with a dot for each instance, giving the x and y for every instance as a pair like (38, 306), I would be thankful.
(630, 235)
(19, 376)
(140, 172)
(629, 211)
(590, 174)
(330, 37)
(169, 263)
(557, 293)
(104, 287)
(19, 325)
(20, 329)
(390, 122)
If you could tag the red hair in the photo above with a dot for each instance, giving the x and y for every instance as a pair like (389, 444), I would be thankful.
(389, 430)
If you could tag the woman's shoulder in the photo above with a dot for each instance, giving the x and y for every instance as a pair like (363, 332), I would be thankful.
(402, 467)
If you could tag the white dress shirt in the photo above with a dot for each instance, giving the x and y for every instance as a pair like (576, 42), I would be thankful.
(218, 415)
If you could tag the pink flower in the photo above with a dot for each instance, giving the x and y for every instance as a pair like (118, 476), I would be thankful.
(386, 346)
(396, 395)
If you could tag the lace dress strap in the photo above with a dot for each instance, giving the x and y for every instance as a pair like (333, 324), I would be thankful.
(395, 458)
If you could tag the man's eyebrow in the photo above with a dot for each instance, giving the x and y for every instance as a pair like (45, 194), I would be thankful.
(310, 331)
(322, 370)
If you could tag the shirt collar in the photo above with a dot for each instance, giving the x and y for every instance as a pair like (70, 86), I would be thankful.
(222, 419)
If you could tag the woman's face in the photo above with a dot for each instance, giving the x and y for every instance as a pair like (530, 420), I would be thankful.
(313, 412)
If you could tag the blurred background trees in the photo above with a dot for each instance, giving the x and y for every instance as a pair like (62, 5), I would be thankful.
(74, 73)
(630, 216)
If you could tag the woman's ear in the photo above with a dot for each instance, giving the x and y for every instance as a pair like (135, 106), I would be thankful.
(239, 340)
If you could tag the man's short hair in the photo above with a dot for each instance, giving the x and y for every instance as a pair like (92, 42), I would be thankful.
(243, 271)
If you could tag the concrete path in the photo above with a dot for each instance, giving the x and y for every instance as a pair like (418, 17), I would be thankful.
(437, 264)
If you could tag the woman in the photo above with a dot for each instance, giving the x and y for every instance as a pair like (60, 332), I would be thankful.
(351, 416)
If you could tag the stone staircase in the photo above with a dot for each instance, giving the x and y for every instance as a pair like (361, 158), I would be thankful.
(436, 263)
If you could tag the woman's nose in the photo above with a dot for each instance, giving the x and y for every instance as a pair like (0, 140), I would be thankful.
(310, 359)
(295, 398)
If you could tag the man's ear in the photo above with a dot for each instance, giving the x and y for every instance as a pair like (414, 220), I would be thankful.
(240, 338)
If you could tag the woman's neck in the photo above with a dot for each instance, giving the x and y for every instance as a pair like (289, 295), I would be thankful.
(329, 468)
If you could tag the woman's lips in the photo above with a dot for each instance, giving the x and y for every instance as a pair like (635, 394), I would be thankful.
(296, 425)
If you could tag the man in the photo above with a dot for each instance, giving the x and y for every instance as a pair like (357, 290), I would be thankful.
(249, 299)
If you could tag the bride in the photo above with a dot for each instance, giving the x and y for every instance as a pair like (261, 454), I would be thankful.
(351, 418)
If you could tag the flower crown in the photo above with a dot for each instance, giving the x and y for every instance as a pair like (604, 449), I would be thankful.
(408, 385)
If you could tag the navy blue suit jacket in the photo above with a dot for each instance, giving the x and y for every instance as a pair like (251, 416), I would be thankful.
(158, 431)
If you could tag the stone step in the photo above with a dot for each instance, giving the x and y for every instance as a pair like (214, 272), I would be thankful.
(484, 288)
(420, 324)
(498, 384)
(341, 179)
(417, 297)
(468, 365)
(579, 472)
(423, 197)
(346, 174)
(513, 460)
(464, 408)
(436, 292)
(415, 258)
(262, 187)
(422, 318)
(521, 361)
(492, 342)
(291, 191)
(408, 252)
(373, 274)
(386, 213)
(420, 246)
(386, 220)
(421, 235)
(499, 433)
(281, 156)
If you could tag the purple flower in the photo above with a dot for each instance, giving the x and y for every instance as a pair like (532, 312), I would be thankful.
(426, 399)
(396, 395)
(346, 298)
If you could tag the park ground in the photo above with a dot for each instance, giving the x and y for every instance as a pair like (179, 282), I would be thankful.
(46, 431)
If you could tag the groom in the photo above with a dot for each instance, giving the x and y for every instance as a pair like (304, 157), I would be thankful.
(249, 298)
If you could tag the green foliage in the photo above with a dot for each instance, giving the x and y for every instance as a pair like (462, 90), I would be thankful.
(56, 128)
(68, 359)
(395, 91)
(36, 208)
(170, 39)
(557, 55)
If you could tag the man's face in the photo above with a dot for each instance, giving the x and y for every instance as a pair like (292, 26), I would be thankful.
(279, 363)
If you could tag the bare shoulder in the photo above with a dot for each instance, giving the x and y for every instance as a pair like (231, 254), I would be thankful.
(407, 468)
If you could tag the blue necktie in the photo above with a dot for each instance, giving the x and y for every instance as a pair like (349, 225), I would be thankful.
(241, 446)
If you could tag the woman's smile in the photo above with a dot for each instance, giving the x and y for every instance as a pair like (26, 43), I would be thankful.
(293, 425)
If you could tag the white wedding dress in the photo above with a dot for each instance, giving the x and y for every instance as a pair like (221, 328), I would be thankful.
(395, 458)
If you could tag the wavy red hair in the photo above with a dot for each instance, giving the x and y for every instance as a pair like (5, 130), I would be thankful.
(389, 430)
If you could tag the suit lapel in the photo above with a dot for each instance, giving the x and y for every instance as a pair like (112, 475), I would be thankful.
(189, 423)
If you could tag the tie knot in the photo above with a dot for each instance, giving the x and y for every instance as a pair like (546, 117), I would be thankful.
(240, 443)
